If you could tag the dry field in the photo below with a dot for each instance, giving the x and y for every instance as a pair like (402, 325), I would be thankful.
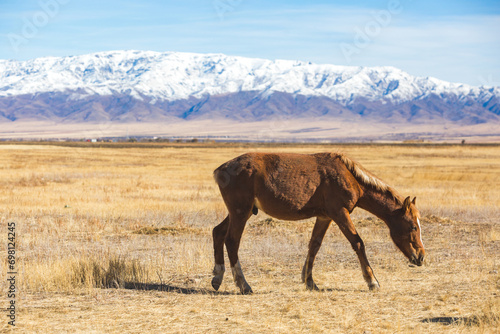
(118, 240)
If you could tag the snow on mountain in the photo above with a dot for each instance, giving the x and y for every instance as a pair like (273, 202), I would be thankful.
(145, 85)
(174, 76)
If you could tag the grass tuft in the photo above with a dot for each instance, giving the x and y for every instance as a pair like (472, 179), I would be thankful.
(113, 272)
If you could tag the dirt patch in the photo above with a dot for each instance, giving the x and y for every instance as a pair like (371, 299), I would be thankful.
(168, 230)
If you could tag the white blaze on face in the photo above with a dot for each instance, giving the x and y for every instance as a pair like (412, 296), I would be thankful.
(420, 231)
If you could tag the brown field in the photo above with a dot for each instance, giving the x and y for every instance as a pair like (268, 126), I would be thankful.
(118, 240)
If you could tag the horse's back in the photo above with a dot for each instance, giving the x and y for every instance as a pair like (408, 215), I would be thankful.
(270, 165)
(279, 183)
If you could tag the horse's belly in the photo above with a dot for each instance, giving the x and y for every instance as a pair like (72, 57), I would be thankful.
(282, 209)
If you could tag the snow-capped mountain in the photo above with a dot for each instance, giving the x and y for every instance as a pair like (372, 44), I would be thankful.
(132, 86)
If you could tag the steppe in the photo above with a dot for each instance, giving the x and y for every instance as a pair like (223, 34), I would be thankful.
(116, 238)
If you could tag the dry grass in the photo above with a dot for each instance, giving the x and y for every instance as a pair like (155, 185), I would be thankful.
(119, 240)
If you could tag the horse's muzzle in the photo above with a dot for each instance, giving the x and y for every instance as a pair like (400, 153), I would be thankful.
(417, 260)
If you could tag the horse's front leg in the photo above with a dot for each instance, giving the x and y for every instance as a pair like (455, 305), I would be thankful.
(343, 220)
(317, 236)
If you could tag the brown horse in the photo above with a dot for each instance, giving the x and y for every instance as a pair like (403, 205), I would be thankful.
(327, 186)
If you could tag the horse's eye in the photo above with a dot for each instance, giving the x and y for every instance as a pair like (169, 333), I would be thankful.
(414, 228)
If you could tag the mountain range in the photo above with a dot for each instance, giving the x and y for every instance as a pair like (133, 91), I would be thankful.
(151, 87)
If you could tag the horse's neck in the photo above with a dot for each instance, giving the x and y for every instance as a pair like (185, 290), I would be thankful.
(380, 203)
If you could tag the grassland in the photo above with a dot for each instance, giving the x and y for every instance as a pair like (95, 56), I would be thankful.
(118, 239)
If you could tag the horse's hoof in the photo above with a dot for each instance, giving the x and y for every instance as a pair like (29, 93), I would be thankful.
(248, 291)
(374, 287)
(312, 286)
(216, 282)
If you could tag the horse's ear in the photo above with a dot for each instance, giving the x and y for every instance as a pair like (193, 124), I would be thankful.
(406, 204)
(414, 200)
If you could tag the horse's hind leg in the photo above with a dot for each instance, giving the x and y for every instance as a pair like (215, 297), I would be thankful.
(317, 236)
(219, 234)
(237, 221)
(239, 196)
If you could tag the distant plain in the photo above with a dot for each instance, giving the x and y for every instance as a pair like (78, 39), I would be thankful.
(297, 130)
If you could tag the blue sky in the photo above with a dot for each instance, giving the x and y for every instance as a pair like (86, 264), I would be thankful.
(456, 40)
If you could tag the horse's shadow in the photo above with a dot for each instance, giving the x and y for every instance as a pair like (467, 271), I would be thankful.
(201, 291)
(172, 288)
(163, 287)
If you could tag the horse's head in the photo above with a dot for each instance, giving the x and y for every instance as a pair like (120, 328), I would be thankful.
(406, 232)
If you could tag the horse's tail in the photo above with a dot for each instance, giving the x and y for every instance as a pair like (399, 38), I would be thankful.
(226, 172)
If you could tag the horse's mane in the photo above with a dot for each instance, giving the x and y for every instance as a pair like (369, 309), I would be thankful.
(367, 178)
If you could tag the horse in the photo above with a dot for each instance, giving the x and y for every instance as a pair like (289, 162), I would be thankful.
(291, 186)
